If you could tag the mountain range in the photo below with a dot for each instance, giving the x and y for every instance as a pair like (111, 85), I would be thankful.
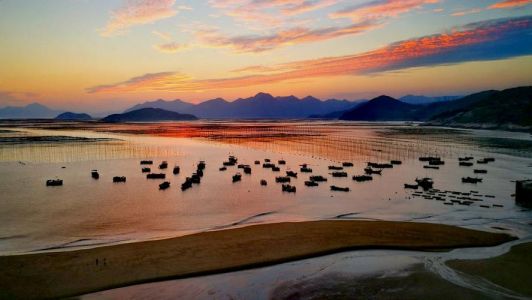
(148, 115)
(511, 108)
(260, 106)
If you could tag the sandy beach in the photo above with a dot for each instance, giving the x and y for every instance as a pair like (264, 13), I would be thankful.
(69, 273)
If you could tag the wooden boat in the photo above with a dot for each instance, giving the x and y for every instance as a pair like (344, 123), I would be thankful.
(54, 182)
(362, 178)
(396, 162)
(339, 189)
(146, 162)
(318, 178)
(347, 164)
(311, 183)
(199, 172)
(276, 169)
(164, 185)
(195, 178)
(471, 180)
(201, 165)
(429, 158)
(291, 174)
(467, 158)
(163, 165)
(465, 164)
(119, 179)
(282, 179)
(176, 170)
(257, 162)
(379, 165)
(263, 182)
(237, 177)
(187, 184)
(339, 174)
(247, 170)
(305, 170)
(335, 168)
(480, 171)
(431, 167)
(370, 171)
(281, 162)
(411, 186)
(268, 165)
(288, 188)
(146, 170)
(436, 162)
(267, 160)
(426, 183)
(223, 169)
(95, 174)
(229, 163)
(156, 176)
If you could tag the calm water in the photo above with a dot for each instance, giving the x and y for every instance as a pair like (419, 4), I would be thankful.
(87, 212)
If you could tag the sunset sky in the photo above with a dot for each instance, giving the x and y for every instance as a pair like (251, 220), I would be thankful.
(96, 55)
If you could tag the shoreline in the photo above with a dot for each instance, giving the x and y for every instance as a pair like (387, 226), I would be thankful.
(71, 273)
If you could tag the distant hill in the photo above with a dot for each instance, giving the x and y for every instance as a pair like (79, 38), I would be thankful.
(31, 111)
(417, 99)
(70, 116)
(262, 105)
(507, 109)
(148, 115)
(382, 108)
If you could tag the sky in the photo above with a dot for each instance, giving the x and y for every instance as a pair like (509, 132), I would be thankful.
(107, 55)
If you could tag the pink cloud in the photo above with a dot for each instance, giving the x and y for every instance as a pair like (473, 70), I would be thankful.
(299, 35)
(135, 12)
(497, 39)
(380, 9)
(510, 4)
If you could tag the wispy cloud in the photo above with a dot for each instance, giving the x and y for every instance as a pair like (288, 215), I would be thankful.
(488, 40)
(134, 12)
(510, 4)
(260, 43)
(172, 47)
(466, 12)
(379, 9)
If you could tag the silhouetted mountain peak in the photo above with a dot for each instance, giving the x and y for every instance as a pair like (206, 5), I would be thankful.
(384, 98)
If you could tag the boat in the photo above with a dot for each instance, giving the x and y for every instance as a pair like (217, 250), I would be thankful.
(288, 188)
(257, 162)
(318, 178)
(268, 165)
(282, 179)
(396, 162)
(163, 165)
(482, 161)
(370, 171)
(164, 185)
(267, 160)
(281, 162)
(156, 176)
(465, 164)
(347, 164)
(237, 177)
(467, 158)
(426, 183)
(199, 172)
(362, 178)
(339, 189)
(247, 170)
(480, 171)
(187, 184)
(146, 162)
(436, 162)
(471, 180)
(54, 182)
(339, 174)
(276, 169)
(429, 158)
(146, 170)
(431, 167)
(195, 178)
(263, 182)
(335, 168)
(95, 174)
(379, 165)
(119, 179)
(223, 169)
(311, 183)
(233, 159)
(411, 186)
(305, 170)
(176, 170)
(291, 174)
(201, 165)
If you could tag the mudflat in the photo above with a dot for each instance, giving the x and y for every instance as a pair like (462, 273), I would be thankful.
(69, 273)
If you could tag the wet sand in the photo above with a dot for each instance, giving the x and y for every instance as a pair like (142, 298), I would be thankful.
(512, 270)
(68, 273)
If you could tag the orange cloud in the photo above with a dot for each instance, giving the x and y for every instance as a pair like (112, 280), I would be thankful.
(213, 38)
(172, 47)
(135, 12)
(379, 9)
(497, 39)
(510, 4)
